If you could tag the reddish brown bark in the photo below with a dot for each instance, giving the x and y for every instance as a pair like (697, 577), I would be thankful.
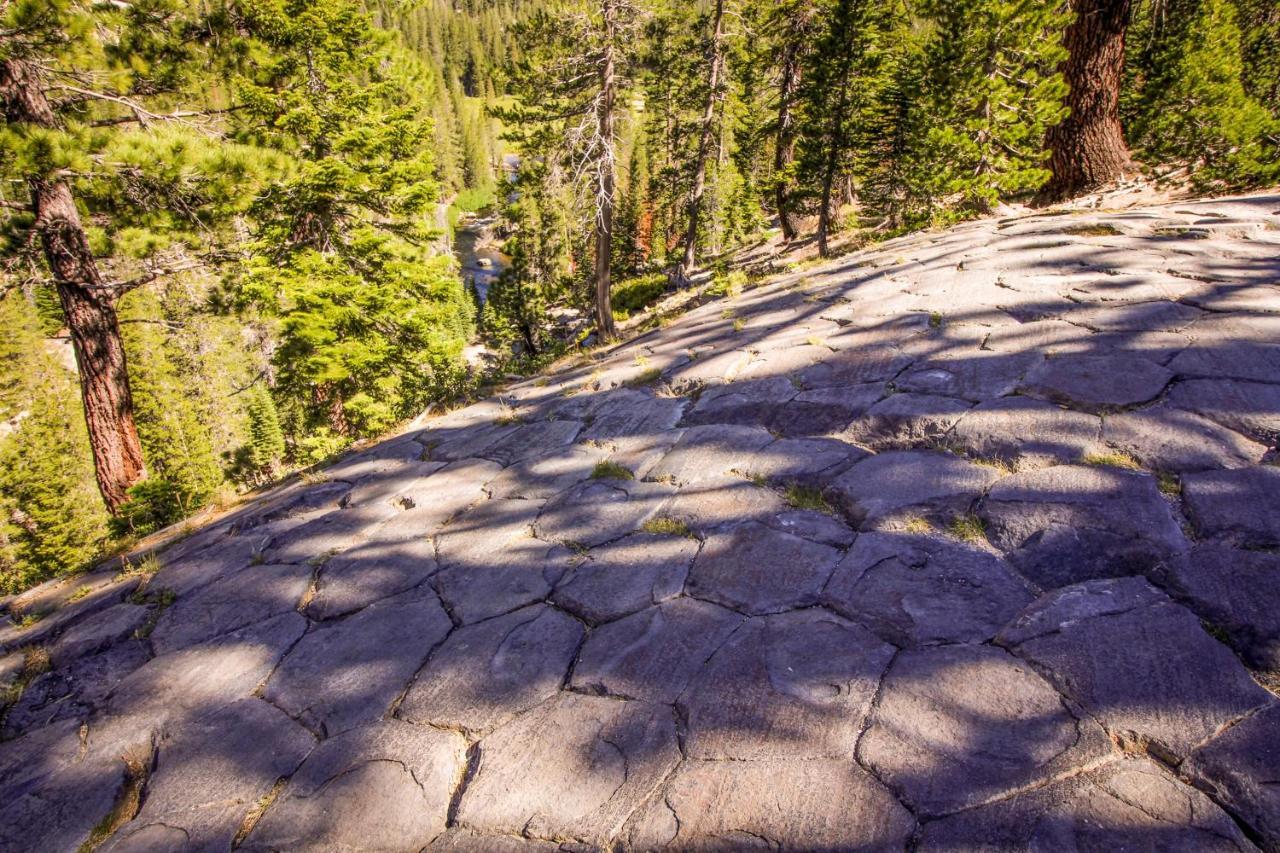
(88, 302)
(1087, 150)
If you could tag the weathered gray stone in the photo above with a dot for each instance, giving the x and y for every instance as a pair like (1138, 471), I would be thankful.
(758, 569)
(815, 526)
(1125, 804)
(401, 486)
(574, 768)
(487, 673)
(97, 632)
(74, 690)
(345, 673)
(327, 535)
(778, 805)
(547, 475)
(906, 420)
(653, 654)
(446, 494)
(368, 572)
(60, 604)
(917, 590)
(855, 366)
(893, 483)
(492, 530)
(1249, 408)
(189, 573)
(251, 595)
(1229, 359)
(525, 574)
(1238, 768)
(626, 576)
(727, 501)
(1095, 383)
(385, 786)
(1241, 506)
(532, 439)
(211, 773)
(462, 840)
(1150, 674)
(823, 411)
(600, 511)
(1235, 591)
(709, 452)
(794, 685)
(1168, 439)
(808, 461)
(1026, 431)
(957, 726)
(628, 413)
(1072, 523)
(1159, 316)
(747, 402)
(976, 375)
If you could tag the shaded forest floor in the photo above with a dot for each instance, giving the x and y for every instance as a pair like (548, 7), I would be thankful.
(970, 537)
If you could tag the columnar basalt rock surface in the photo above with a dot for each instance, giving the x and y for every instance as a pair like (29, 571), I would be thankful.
(969, 539)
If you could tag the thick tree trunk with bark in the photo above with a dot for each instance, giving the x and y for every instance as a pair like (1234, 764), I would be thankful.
(88, 302)
(715, 70)
(605, 194)
(784, 152)
(1087, 150)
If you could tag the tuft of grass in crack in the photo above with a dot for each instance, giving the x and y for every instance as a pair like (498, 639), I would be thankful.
(1169, 484)
(126, 805)
(935, 319)
(739, 324)
(919, 526)
(647, 377)
(607, 469)
(999, 463)
(162, 599)
(1099, 229)
(667, 526)
(807, 497)
(508, 416)
(1111, 459)
(29, 620)
(968, 528)
(259, 809)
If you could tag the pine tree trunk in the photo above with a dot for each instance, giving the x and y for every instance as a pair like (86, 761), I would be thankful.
(714, 71)
(88, 303)
(784, 153)
(606, 190)
(1087, 150)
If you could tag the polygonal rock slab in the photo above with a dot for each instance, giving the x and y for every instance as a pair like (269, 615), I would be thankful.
(722, 502)
(1023, 430)
(1127, 804)
(368, 572)
(532, 439)
(1072, 523)
(1238, 768)
(441, 497)
(211, 773)
(747, 402)
(906, 420)
(1228, 359)
(977, 375)
(626, 576)
(332, 533)
(822, 411)
(1235, 591)
(653, 654)
(1095, 383)
(384, 786)
(855, 366)
(916, 590)
(803, 460)
(777, 804)
(546, 475)
(97, 632)
(821, 527)
(628, 414)
(462, 840)
(1249, 408)
(486, 673)
(795, 685)
(190, 572)
(574, 768)
(1171, 688)
(957, 726)
(502, 583)
(74, 690)
(889, 484)
(1167, 439)
(708, 452)
(491, 531)
(599, 511)
(757, 569)
(252, 595)
(345, 673)
(1241, 506)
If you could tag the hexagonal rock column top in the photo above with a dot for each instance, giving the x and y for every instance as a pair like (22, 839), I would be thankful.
(918, 590)
(958, 726)
(1239, 768)
(709, 452)
(1241, 506)
(376, 569)
(654, 653)
(348, 672)
(574, 768)
(824, 804)
(756, 569)
(795, 685)
(210, 774)
(1163, 438)
(1137, 662)
(1127, 804)
(886, 487)
(600, 511)
(489, 672)
(1074, 523)
(626, 576)
(1030, 432)
(1097, 383)
(384, 786)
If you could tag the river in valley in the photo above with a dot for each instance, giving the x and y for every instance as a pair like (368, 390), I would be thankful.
(476, 246)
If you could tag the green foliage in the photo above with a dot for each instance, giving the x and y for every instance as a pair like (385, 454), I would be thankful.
(154, 503)
(636, 294)
(260, 460)
(1187, 101)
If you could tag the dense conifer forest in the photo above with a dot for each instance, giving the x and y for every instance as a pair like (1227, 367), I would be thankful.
(225, 225)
